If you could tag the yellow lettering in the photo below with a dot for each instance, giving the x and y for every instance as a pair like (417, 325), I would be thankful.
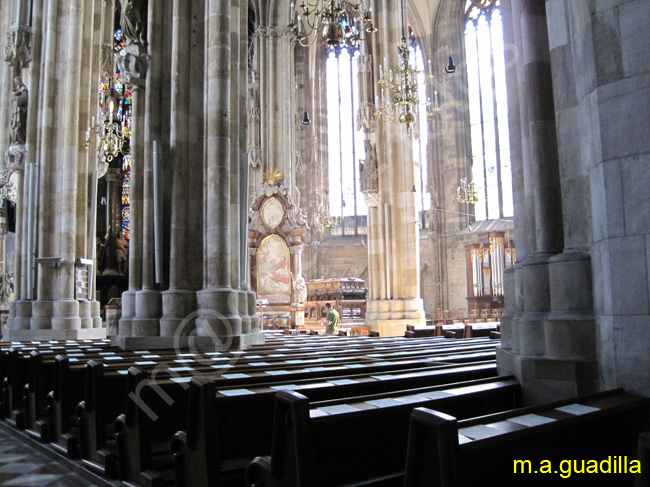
(575, 466)
(635, 466)
(592, 466)
(545, 466)
(606, 465)
(524, 464)
(565, 468)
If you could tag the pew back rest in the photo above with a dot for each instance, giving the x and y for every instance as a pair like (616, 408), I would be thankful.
(589, 428)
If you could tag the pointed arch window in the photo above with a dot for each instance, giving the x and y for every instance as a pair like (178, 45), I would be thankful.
(420, 135)
(488, 109)
(348, 210)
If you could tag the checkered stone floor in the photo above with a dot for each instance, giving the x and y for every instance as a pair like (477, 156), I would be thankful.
(22, 465)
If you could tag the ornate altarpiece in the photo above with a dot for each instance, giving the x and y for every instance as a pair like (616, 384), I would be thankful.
(275, 254)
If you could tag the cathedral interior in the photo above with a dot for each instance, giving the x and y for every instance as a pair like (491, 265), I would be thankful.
(191, 182)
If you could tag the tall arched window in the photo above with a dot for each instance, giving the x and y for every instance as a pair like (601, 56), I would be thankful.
(347, 206)
(421, 134)
(488, 109)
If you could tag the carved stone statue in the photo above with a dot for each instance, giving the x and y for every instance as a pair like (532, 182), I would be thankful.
(18, 134)
(6, 287)
(299, 289)
(121, 253)
(369, 170)
(134, 22)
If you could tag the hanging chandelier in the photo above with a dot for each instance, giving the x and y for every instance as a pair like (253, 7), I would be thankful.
(336, 22)
(398, 97)
(112, 137)
(466, 192)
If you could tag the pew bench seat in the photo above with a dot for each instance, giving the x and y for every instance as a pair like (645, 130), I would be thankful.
(540, 445)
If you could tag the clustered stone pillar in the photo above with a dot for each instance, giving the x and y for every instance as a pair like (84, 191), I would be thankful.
(548, 334)
(274, 48)
(393, 242)
(201, 296)
(179, 300)
(54, 152)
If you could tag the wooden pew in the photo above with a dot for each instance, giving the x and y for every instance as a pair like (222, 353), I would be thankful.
(136, 457)
(473, 330)
(225, 432)
(92, 442)
(12, 389)
(69, 383)
(354, 329)
(554, 436)
(359, 440)
(457, 330)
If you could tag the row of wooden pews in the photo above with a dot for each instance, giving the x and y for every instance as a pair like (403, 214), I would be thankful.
(69, 394)
(302, 410)
(455, 330)
(311, 367)
(591, 440)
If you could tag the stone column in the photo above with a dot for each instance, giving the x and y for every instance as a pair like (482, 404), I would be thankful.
(22, 44)
(148, 301)
(53, 136)
(277, 90)
(180, 300)
(223, 321)
(143, 299)
(548, 328)
(395, 217)
(125, 327)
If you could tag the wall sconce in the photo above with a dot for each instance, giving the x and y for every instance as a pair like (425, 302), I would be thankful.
(305, 120)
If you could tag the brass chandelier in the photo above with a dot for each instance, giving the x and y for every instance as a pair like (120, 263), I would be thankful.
(466, 192)
(112, 137)
(335, 22)
(398, 96)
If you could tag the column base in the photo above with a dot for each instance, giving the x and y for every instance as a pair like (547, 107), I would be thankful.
(66, 314)
(95, 312)
(125, 326)
(39, 335)
(243, 312)
(146, 322)
(218, 315)
(390, 316)
(179, 313)
(546, 380)
(199, 343)
(42, 312)
(84, 315)
(20, 315)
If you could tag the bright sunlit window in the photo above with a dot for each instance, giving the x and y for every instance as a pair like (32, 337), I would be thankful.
(347, 206)
(488, 109)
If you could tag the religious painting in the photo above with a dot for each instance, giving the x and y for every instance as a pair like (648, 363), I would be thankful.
(272, 212)
(273, 263)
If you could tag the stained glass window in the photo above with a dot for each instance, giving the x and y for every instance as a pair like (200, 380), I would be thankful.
(125, 116)
(488, 109)
(126, 196)
(113, 89)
